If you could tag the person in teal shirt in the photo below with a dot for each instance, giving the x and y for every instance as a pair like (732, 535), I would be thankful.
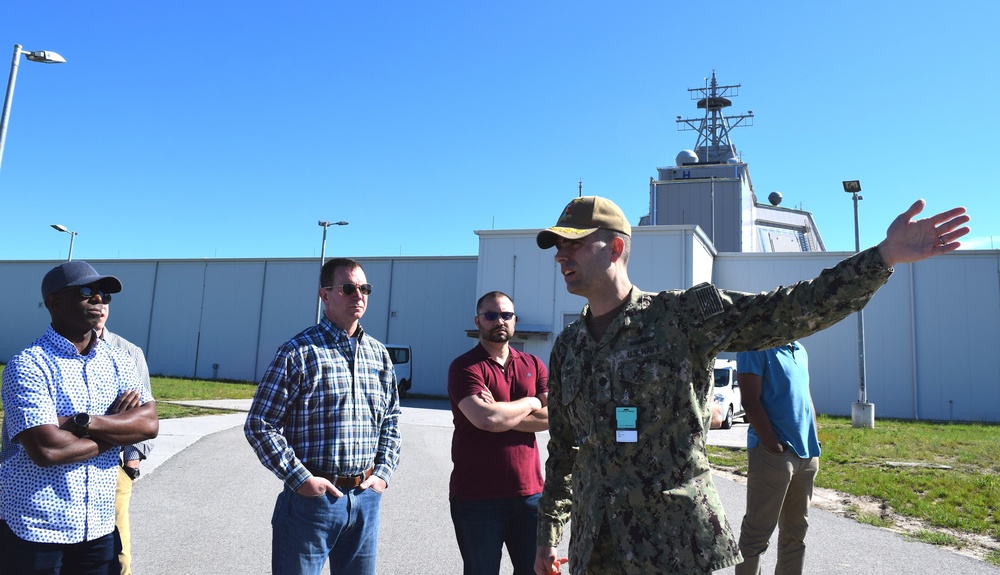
(783, 451)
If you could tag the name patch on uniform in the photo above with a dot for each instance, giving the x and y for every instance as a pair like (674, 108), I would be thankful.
(642, 351)
(627, 436)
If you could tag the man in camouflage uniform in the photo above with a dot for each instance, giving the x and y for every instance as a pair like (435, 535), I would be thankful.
(630, 389)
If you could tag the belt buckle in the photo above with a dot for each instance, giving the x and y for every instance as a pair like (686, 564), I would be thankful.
(351, 481)
(361, 477)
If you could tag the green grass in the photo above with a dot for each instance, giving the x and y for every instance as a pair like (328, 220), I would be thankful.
(166, 410)
(869, 518)
(993, 557)
(965, 497)
(936, 538)
(167, 389)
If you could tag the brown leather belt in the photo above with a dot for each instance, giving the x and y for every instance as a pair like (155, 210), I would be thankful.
(349, 481)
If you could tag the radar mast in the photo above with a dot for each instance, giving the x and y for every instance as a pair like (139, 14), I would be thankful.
(713, 144)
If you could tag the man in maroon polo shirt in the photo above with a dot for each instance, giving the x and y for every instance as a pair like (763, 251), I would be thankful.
(498, 397)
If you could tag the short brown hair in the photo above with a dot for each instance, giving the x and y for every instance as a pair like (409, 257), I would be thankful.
(330, 267)
(607, 236)
(490, 295)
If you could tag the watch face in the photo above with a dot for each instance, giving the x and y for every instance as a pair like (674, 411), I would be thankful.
(81, 420)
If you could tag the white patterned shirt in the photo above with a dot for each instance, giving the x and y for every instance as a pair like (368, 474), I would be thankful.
(73, 502)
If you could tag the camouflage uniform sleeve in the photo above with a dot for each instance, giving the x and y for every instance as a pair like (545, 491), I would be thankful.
(556, 501)
(786, 314)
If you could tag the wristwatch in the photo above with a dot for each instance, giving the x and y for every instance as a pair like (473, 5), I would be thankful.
(81, 424)
(132, 472)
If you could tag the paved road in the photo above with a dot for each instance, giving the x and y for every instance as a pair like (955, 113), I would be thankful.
(206, 509)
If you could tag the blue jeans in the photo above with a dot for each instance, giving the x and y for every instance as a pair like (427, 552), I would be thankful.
(20, 557)
(307, 530)
(483, 527)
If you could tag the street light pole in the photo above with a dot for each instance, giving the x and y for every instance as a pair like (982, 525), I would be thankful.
(72, 236)
(322, 260)
(862, 412)
(42, 56)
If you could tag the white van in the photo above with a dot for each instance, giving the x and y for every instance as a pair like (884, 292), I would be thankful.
(727, 400)
(402, 363)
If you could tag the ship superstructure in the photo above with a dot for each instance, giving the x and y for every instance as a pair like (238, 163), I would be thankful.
(710, 186)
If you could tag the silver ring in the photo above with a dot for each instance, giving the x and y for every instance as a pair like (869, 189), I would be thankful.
(941, 239)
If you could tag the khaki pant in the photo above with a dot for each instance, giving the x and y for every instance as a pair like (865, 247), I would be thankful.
(779, 491)
(123, 497)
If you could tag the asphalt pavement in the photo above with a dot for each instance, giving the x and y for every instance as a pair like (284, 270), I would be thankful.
(204, 502)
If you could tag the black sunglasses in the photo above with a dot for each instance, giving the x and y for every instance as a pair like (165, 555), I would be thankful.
(349, 289)
(88, 292)
(492, 315)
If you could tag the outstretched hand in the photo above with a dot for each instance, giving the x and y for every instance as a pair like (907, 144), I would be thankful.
(908, 240)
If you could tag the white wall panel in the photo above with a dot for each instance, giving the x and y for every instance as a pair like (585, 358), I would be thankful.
(25, 318)
(177, 301)
(431, 301)
(288, 306)
(130, 313)
(229, 320)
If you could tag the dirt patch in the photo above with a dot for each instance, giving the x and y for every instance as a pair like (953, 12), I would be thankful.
(853, 506)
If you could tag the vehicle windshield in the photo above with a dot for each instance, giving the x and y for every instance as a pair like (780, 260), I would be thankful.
(722, 377)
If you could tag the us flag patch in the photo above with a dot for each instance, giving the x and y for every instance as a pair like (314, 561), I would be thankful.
(708, 300)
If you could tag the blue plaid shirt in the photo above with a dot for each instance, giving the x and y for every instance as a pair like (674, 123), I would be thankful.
(324, 404)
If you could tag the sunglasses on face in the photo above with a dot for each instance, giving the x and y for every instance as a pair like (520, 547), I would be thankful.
(493, 315)
(349, 289)
(88, 293)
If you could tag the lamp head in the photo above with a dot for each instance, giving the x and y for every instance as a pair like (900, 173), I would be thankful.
(45, 57)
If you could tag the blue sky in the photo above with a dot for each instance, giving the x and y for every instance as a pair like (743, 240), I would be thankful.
(228, 129)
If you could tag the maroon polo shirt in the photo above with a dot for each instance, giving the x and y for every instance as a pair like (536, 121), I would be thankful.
(492, 465)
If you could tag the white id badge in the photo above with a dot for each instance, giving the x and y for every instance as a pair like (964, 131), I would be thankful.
(627, 436)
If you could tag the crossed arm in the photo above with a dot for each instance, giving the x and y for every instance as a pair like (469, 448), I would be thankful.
(127, 423)
(528, 414)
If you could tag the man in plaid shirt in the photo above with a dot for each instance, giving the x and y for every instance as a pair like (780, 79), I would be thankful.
(325, 421)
